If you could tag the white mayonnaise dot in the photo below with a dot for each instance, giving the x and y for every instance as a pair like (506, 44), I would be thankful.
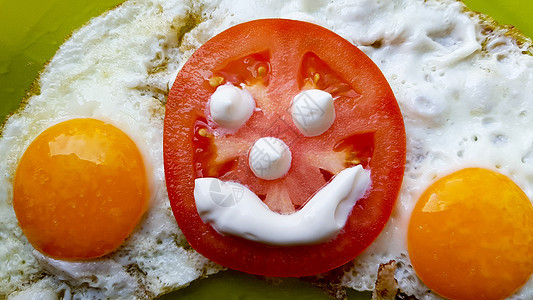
(230, 106)
(313, 112)
(270, 158)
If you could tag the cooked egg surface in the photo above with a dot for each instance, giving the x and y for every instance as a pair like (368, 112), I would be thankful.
(476, 218)
(114, 70)
(464, 90)
(80, 189)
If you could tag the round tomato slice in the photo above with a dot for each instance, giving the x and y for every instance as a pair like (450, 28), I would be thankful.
(275, 59)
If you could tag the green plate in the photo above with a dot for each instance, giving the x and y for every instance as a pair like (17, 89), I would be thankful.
(32, 31)
(518, 13)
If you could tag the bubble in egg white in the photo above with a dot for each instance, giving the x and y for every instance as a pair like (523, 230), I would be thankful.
(429, 106)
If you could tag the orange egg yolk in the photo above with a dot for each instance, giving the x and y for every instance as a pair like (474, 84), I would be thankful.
(471, 236)
(80, 189)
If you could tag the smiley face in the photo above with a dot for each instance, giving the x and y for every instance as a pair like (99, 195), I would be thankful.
(275, 61)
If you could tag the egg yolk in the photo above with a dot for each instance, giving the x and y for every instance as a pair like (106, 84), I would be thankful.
(80, 189)
(471, 236)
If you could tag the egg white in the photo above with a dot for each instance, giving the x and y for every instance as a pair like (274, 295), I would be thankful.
(463, 88)
(102, 72)
(464, 92)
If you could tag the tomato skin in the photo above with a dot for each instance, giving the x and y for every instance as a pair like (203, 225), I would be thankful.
(374, 110)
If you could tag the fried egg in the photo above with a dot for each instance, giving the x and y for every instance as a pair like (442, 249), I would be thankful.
(96, 85)
(462, 84)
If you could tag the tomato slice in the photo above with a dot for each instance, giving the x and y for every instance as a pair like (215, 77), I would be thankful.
(275, 59)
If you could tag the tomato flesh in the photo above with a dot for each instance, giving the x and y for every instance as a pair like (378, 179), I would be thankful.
(274, 60)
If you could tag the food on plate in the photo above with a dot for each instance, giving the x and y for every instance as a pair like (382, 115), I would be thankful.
(458, 215)
(367, 132)
(80, 189)
(313, 111)
(463, 85)
(97, 93)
